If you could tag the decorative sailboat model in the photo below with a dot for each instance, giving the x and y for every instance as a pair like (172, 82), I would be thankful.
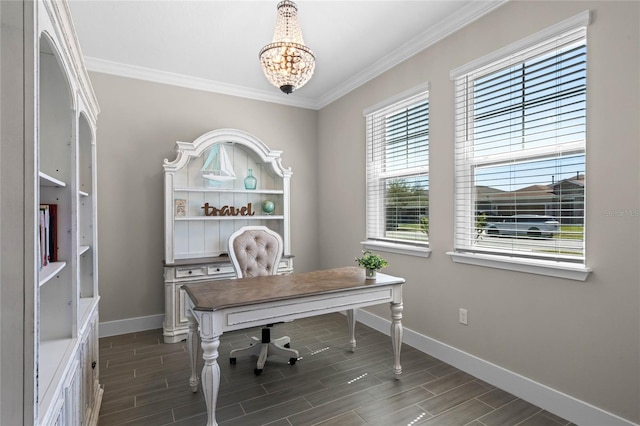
(217, 167)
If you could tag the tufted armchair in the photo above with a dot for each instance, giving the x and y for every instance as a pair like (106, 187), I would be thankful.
(256, 251)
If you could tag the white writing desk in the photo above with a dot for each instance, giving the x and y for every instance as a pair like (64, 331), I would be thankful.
(219, 306)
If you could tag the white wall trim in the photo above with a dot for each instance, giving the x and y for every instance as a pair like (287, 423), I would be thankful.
(389, 247)
(163, 77)
(543, 396)
(130, 325)
(570, 271)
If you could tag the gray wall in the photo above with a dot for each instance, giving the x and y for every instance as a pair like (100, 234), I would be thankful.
(581, 338)
(137, 129)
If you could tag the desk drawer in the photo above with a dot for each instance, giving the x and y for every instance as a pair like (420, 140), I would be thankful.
(220, 270)
(202, 271)
(199, 271)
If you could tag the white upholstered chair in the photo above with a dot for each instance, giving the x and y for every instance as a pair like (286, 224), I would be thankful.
(256, 251)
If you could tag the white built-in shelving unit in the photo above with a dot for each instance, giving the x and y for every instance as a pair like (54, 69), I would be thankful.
(196, 245)
(59, 314)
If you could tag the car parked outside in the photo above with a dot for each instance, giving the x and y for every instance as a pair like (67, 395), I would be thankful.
(529, 225)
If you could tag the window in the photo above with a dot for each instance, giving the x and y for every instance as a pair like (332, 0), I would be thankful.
(520, 152)
(398, 170)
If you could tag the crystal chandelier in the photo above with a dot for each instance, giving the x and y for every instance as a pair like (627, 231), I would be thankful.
(286, 61)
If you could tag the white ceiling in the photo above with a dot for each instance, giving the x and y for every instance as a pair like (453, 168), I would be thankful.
(213, 45)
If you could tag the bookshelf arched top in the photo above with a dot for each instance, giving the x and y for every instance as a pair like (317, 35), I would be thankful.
(186, 151)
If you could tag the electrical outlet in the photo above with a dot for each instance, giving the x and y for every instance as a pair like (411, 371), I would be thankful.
(462, 316)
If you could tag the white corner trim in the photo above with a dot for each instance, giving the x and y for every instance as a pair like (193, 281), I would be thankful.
(130, 325)
(397, 248)
(566, 270)
(545, 397)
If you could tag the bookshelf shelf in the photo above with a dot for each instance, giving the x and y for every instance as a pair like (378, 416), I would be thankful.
(231, 191)
(51, 368)
(46, 180)
(50, 271)
(225, 218)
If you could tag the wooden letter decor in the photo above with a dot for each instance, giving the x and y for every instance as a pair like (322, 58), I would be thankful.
(228, 210)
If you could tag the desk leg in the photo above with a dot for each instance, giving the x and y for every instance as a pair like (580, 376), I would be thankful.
(351, 322)
(211, 370)
(192, 346)
(396, 335)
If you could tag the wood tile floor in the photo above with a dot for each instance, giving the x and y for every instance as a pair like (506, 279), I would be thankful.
(146, 383)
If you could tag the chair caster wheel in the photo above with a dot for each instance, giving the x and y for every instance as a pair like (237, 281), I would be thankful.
(288, 345)
(257, 371)
(292, 361)
(232, 361)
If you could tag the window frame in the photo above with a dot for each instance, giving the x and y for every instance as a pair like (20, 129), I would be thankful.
(465, 202)
(410, 247)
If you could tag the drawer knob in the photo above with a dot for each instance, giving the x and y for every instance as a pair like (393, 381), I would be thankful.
(93, 365)
(189, 272)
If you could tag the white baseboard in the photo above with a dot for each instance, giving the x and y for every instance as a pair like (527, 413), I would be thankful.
(556, 402)
(130, 325)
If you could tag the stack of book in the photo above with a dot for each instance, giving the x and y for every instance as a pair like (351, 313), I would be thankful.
(48, 247)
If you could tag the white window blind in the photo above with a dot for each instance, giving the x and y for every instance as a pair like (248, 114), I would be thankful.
(398, 171)
(520, 153)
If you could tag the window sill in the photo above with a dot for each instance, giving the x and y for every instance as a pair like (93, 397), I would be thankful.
(397, 248)
(565, 270)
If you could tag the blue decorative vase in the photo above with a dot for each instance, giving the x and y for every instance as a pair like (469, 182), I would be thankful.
(250, 181)
(268, 207)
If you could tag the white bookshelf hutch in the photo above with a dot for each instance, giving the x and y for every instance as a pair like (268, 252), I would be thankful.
(196, 244)
(60, 324)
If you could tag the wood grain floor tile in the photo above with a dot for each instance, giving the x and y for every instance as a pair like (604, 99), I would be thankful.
(453, 397)
(405, 382)
(346, 419)
(270, 414)
(397, 402)
(540, 419)
(459, 415)
(448, 382)
(510, 414)
(497, 398)
(327, 411)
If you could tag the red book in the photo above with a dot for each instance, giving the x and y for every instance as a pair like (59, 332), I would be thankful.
(44, 229)
(53, 232)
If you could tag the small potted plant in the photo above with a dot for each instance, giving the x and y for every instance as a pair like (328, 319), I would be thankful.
(371, 263)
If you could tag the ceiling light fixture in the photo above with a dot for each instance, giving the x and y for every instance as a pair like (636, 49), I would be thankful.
(287, 63)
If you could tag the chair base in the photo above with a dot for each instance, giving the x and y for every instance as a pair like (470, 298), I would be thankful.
(265, 347)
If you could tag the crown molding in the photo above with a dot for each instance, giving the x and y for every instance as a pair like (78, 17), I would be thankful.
(470, 13)
(181, 80)
(446, 27)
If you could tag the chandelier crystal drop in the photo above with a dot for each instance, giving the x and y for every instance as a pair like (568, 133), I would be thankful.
(287, 63)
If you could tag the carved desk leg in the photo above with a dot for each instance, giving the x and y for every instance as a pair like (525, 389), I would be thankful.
(396, 335)
(211, 370)
(192, 346)
(351, 323)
